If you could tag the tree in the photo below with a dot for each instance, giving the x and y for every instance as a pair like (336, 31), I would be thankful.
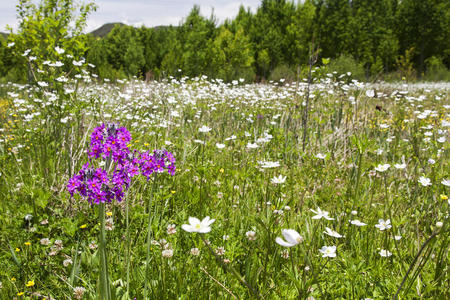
(232, 55)
(196, 36)
(424, 26)
(45, 28)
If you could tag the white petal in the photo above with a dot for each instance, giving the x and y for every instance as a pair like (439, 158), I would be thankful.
(281, 242)
(188, 228)
(193, 221)
(291, 236)
(205, 229)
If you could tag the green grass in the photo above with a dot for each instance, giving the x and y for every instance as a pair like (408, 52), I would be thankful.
(39, 154)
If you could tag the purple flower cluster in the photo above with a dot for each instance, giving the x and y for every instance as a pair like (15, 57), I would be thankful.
(157, 162)
(109, 143)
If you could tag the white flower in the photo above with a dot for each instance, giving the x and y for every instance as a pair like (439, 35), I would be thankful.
(220, 251)
(292, 238)
(328, 251)
(11, 45)
(204, 129)
(251, 235)
(168, 253)
(400, 166)
(220, 146)
(370, 93)
(431, 161)
(199, 142)
(171, 229)
(446, 182)
(439, 224)
(320, 156)
(42, 83)
(59, 50)
(424, 181)
(67, 262)
(385, 253)
(269, 164)
(78, 292)
(278, 180)
(45, 241)
(195, 225)
(78, 63)
(383, 225)
(332, 233)
(252, 145)
(321, 214)
(195, 251)
(231, 138)
(382, 168)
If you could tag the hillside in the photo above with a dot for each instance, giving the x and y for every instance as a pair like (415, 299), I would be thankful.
(105, 29)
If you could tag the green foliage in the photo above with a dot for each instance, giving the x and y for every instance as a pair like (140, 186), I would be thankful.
(375, 33)
(43, 28)
(436, 70)
(424, 26)
(344, 64)
(283, 72)
(337, 171)
(232, 56)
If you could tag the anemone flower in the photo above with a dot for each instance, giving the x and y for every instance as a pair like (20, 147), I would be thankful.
(195, 225)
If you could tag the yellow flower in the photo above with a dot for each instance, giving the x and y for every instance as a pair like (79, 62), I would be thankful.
(221, 170)
(20, 294)
(109, 214)
(83, 226)
(27, 243)
(17, 250)
(444, 197)
(173, 192)
(13, 279)
(30, 283)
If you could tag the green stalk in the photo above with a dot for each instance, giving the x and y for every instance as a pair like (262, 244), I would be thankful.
(127, 233)
(149, 236)
(105, 292)
(233, 271)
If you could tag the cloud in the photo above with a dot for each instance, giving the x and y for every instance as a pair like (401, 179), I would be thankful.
(148, 12)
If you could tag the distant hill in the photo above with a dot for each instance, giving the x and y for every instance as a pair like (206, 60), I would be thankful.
(105, 29)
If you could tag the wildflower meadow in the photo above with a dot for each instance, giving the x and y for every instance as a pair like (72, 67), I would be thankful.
(194, 187)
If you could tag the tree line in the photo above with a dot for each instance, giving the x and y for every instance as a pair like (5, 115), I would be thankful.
(370, 38)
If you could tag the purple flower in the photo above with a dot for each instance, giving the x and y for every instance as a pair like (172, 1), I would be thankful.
(158, 161)
(109, 143)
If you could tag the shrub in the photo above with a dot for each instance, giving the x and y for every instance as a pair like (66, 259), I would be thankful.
(436, 70)
(346, 63)
(283, 72)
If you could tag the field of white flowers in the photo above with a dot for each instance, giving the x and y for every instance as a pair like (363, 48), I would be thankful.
(331, 190)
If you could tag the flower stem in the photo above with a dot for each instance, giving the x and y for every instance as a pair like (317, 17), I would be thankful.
(232, 271)
(105, 292)
(149, 236)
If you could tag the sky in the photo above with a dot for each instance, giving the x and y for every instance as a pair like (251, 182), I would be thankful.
(141, 12)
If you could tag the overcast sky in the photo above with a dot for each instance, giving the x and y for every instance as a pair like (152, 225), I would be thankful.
(138, 12)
